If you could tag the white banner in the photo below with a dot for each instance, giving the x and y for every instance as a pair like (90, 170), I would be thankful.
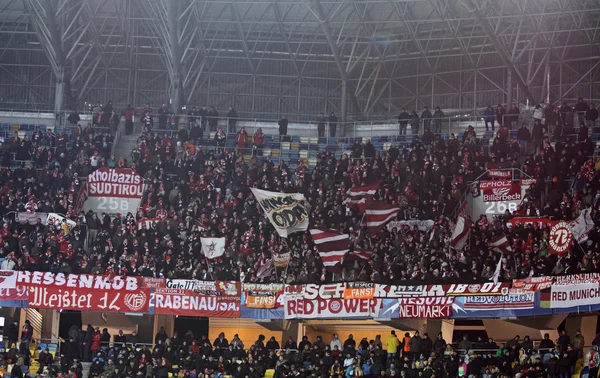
(581, 226)
(213, 247)
(563, 296)
(8, 279)
(114, 190)
(422, 225)
(298, 307)
(287, 212)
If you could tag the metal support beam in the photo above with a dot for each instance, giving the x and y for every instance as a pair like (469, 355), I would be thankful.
(500, 49)
(318, 8)
(175, 51)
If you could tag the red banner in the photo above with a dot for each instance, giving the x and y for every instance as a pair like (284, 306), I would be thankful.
(18, 294)
(189, 303)
(500, 191)
(425, 308)
(530, 284)
(79, 281)
(263, 295)
(56, 297)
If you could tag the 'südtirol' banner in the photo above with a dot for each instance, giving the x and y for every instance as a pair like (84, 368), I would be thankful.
(113, 190)
(263, 295)
(221, 299)
(287, 212)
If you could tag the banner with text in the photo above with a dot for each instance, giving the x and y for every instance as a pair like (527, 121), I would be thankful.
(422, 308)
(56, 297)
(113, 190)
(211, 299)
(263, 295)
(562, 296)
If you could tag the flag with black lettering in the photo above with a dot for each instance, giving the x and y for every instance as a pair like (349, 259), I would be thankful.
(287, 212)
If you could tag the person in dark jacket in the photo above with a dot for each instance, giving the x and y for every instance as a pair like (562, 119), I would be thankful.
(321, 125)
(563, 340)
(369, 150)
(403, 119)
(426, 346)
(128, 114)
(283, 125)
(538, 136)
(439, 345)
(333, 121)
(120, 338)
(26, 337)
(74, 118)
(212, 116)
(105, 337)
(163, 116)
(161, 336)
(272, 344)
(220, 344)
(232, 117)
(513, 117)
(438, 117)
(591, 115)
(500, 113)
(426, 117)
(357, 150)
(87, 343)
(580, 109)
(489, 116)
(523, 136)
(414, 122)
(11, 333)
(415, 346)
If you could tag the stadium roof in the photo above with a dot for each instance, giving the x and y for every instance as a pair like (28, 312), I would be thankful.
(374, 50)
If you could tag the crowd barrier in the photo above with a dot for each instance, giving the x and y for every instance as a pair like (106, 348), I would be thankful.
(360, 300)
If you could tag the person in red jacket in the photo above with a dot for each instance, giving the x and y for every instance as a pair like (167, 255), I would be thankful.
(259, 142)
(96, 340)
(241, 140)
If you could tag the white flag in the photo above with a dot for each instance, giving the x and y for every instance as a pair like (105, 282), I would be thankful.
(581, 226)
(287, 212)
(213, 247)
(496, 275)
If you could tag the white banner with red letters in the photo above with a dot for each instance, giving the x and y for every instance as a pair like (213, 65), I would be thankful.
(500, 173)
(563, 296)
(113, 190)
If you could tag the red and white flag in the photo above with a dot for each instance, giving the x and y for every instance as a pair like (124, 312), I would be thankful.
(378, 214)
(359, 254)
(500, 244)
(332, 246)
(463, 211)
(461, 233)
(359, 195)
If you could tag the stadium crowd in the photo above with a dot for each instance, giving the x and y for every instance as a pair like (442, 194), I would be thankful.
(205, 192)
(407, 356)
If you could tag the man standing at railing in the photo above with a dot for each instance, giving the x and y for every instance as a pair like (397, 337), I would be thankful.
(283, 126)
(333, 120)
(163, 116)
(321, 125)
(128, 114)
(426, 117)
(232, 120)
(403, 119)
(438, 116)
(580, 108)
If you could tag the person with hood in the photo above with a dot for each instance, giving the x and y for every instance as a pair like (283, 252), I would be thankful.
(258, 142)
(96, 341)
(290, 344)
(272, 344)
(350, 342)
(391, 345)
(241, 140)
(489, 115)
